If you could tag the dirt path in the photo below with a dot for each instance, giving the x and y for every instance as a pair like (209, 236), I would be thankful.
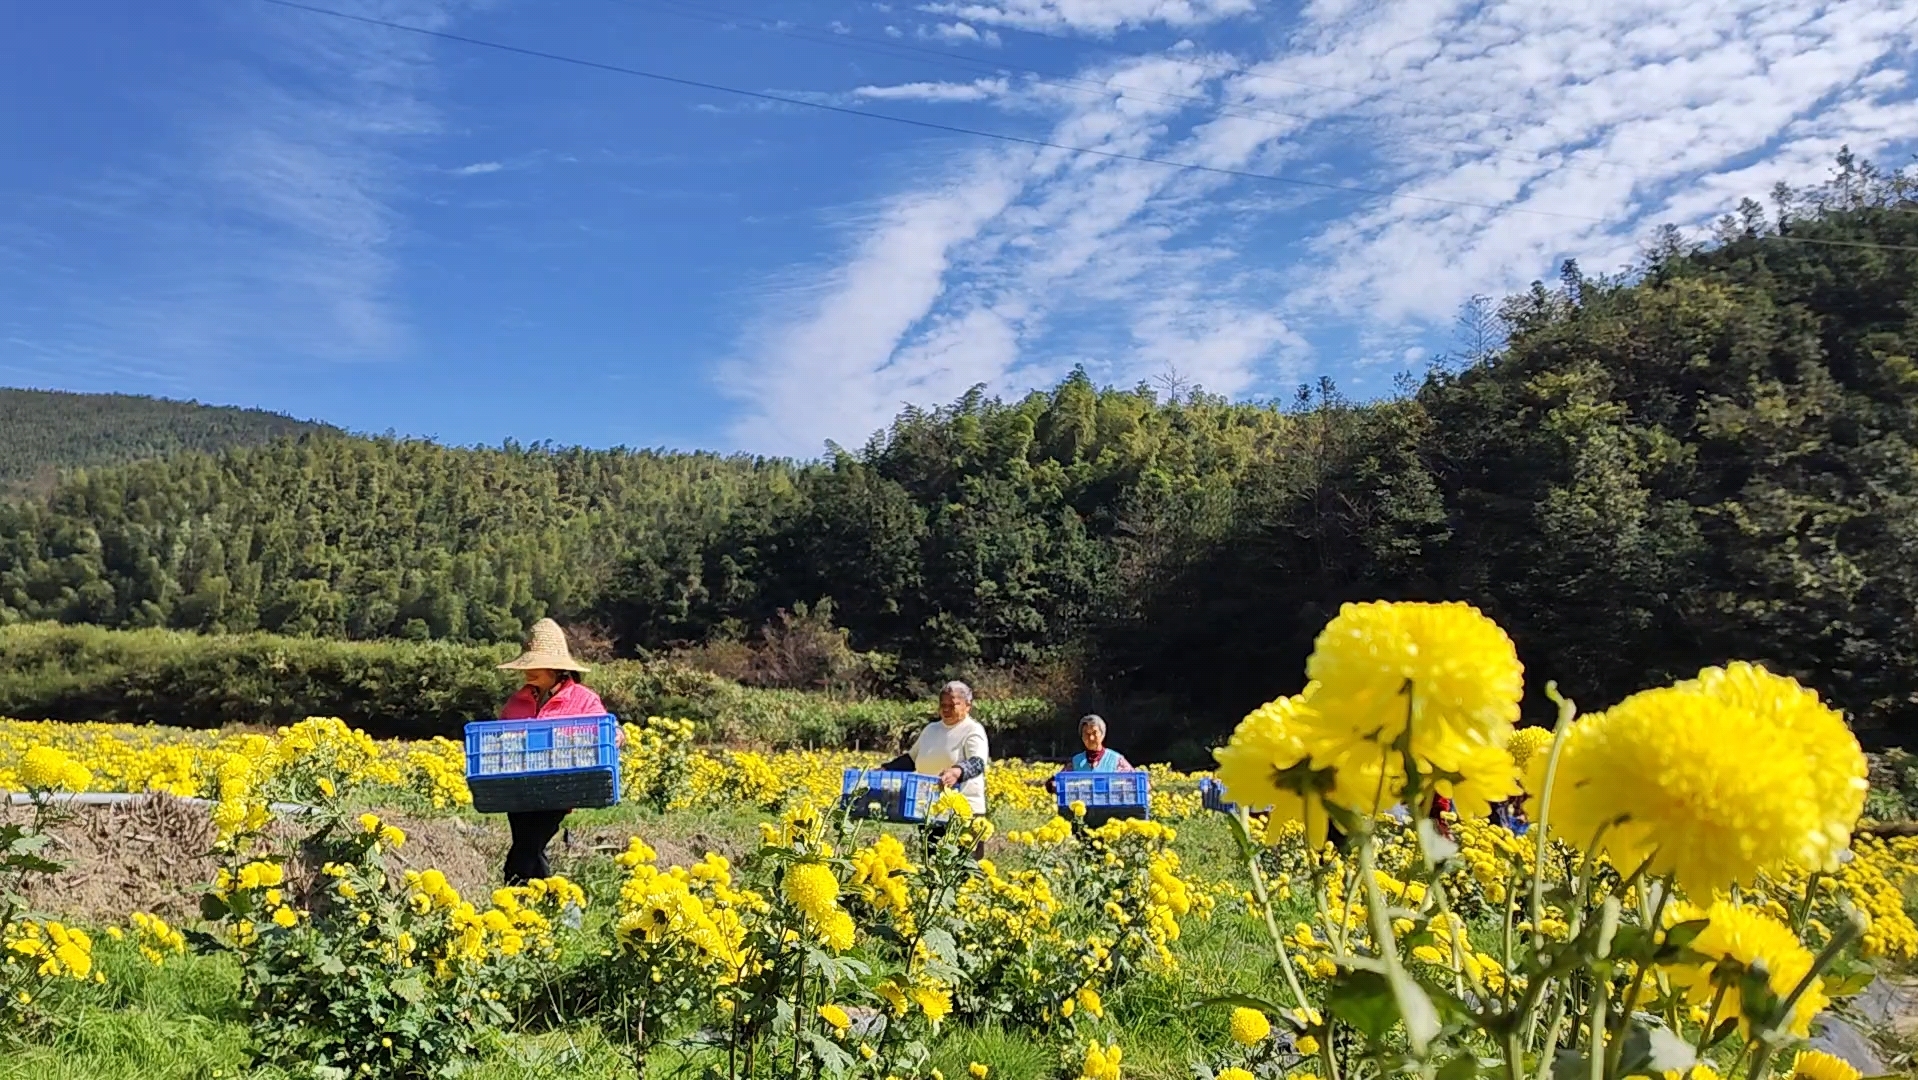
(154, 855)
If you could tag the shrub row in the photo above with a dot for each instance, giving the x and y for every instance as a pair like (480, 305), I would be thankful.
(420, 689)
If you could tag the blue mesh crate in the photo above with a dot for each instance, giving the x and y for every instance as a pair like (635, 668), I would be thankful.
(902, 796)
(1106, 795)
(552, 763)
(1212, 797)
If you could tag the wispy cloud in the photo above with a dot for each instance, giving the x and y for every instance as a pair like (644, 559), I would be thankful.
(976, 90)
(265, 234)
(960, 34)
(1091, 16)
(1516, 134)
(479, 168)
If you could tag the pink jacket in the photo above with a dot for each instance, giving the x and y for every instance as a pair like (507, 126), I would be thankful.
(569, 699)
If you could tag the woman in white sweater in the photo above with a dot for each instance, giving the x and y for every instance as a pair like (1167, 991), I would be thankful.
(952, 748)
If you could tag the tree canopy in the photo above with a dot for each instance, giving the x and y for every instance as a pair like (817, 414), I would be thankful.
(1713, 456)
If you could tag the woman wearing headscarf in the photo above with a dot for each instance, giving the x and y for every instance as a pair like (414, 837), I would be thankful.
(552, 688)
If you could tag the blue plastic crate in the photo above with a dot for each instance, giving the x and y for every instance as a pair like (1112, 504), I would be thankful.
(553, 763)
(902, 796)
(1106, 795)
(1212, 797)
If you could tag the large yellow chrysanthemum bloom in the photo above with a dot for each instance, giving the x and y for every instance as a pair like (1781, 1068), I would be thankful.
(1445, 671)
(1672, 776)
(1816, 1065)
(1265, 765)
(1834, 760)
(1738, 940)
(1445, 668)
(1707, 790)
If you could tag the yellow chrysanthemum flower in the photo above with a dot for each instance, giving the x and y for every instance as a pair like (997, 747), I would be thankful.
(1707, 791)
(1265, 765)
(1249, 1026)
(47, 768)
(978, 1071)
(1101, 1063)
(1816, 1065)
(1234, 1073)
(1738, 940)
(1445, 669)
(935, 1001)
(953, 805)
(895, 997)
(811, 888)
(1835, 764)
(836, 1017)
(1526, 742)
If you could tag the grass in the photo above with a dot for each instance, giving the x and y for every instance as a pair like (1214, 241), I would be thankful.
(183, 1021)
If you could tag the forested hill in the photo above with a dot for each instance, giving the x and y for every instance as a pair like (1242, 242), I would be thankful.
(1715, 457)
(46, 431)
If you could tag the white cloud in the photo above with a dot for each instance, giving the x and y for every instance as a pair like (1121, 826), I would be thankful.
(824, 368)
(1515, 134)
(479, 168)
(960, 34)
(1091, 16)
(266, 234)
(976, 90)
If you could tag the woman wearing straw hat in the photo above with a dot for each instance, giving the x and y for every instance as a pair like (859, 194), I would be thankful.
(552, 689)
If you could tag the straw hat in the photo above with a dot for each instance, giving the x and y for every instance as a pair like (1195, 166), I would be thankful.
(546, 648)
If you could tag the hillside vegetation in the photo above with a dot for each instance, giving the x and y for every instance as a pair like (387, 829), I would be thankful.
(1709, 458)
(48, 431)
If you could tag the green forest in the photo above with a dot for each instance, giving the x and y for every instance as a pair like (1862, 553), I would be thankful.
(1712, 455)
(47, 431)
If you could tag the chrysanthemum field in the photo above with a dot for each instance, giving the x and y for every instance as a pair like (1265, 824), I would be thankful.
(1692, 898)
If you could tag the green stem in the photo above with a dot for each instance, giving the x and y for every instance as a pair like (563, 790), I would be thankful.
(1763, 1047)
(1548, 1051)
(1596, 1051)
(1638, 982)
(1271, 922)
(1711, 1019)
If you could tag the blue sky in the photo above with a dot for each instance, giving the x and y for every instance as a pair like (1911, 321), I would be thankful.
(242, 203)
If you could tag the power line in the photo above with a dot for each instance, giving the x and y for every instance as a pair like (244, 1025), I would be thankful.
(1258, 114)
(930, 125)
(957, 129)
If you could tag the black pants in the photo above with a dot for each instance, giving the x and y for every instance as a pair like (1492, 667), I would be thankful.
(532, 831)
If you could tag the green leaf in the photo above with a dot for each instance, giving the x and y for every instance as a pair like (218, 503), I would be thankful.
(941, 944)
(1244, 1001)
(1845, 986)
(212, 908)
(1462, 1067)
(1571, 1065)
(1681, 935)
(1415, 1008)
(410, 989)
(1364, 1000)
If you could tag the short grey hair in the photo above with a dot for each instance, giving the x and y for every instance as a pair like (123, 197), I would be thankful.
(956, 689)
(1093, 720)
